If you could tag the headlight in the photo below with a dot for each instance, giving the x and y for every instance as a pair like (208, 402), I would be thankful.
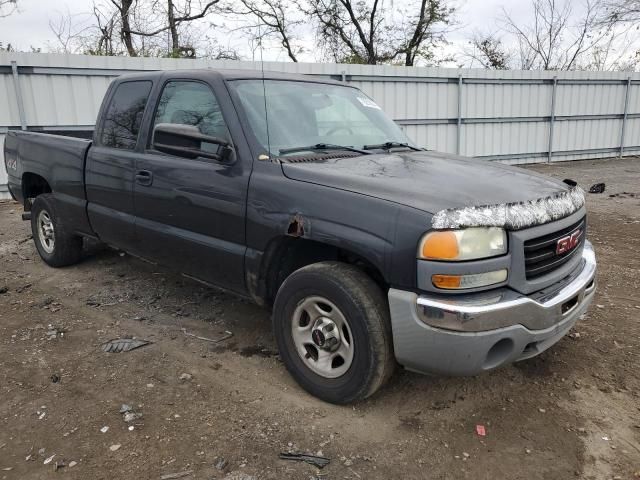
(467, 244)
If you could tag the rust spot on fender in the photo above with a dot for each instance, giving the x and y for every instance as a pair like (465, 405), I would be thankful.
(296, 226)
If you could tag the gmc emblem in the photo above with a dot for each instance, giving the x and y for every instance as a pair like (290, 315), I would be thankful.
(568, 243)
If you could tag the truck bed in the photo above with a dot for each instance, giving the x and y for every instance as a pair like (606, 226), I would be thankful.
(57, 158)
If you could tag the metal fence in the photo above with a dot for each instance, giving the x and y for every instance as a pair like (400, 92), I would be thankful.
(510, 116)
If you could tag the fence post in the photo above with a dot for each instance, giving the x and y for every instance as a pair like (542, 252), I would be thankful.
(552, 118)
(18, 90)
(459, 124)
(624, 115)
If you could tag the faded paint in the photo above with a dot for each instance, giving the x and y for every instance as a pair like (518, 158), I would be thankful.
(512, 216)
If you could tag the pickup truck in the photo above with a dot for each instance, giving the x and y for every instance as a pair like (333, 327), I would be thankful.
(301, 194)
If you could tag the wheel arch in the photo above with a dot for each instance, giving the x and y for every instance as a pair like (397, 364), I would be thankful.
(32, 186)
(285, 254)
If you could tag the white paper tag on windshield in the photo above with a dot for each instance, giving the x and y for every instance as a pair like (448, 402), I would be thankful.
(367, 102)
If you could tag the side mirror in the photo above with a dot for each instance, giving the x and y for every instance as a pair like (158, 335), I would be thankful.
(187, 141)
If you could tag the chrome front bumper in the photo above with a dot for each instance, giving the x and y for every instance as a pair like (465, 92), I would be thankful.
(468, 334)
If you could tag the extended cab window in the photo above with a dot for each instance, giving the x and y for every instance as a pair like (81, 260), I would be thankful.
(124, 115)
(191, 103)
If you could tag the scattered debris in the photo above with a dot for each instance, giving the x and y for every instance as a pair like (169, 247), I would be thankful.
(131, 416)
(119, 345)
(72, 464)
(319, 462)
(570, 182)
(47, 460)
(54, 332)
(23, 288)
(597, 188)
(104, 429)
(185, 377)
(623, 195)
(542, 410)
(115, 447)
(480, 430)
(574, 335)
(4, 290)
(171, 476)
(220, 463)
(227, 336)
(128, 414)
(260, 350)
(55, 378)
(59, 464)
(239, 476)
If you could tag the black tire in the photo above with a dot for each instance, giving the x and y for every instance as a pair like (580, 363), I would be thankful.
(365, 307)
(66, 247)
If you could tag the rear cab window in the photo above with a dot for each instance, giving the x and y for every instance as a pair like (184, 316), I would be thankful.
(123, 116)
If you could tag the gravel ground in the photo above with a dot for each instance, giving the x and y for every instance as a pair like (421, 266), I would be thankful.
(227, 409)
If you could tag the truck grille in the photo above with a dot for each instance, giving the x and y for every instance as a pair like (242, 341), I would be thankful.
(540, 255)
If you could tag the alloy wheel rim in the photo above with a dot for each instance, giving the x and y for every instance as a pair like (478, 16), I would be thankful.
(46, 232)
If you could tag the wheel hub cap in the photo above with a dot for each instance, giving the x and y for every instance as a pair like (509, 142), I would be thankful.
(325, 334)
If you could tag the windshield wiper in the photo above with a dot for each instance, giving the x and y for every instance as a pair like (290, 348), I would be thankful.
(321, 146)
(390, 145)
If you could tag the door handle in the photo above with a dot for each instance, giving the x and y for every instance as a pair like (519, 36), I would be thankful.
(144, 177)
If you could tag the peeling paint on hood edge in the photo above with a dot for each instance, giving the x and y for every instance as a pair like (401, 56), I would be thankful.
(512, 216)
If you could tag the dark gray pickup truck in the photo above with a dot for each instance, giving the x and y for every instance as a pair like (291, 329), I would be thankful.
(301, 194)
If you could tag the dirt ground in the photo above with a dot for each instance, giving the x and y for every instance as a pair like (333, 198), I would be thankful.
(573, 412)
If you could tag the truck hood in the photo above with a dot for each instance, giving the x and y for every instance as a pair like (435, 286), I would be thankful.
(428, 181)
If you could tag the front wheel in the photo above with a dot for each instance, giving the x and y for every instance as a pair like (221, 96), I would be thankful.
(331, 323)
(56, 246)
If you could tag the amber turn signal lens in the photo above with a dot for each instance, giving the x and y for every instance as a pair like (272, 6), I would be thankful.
(446, 281)
(440, 245)
(473, 280)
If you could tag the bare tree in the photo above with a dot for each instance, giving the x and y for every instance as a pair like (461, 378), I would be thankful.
(622, 11)
(488, 50)
(372, 31)
(7, 7)
(556, 39)
(173, 15)
(269, 18)
(124, 8)
(92, 33)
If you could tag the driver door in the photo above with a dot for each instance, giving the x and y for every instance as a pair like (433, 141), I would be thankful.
(190, 212)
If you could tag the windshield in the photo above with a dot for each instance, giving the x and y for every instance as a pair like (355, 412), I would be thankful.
(301, 114)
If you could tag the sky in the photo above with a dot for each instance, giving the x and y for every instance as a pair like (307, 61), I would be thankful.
(29, 27)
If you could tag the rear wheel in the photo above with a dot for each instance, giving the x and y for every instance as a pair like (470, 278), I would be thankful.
(331, 322)
(56, 245)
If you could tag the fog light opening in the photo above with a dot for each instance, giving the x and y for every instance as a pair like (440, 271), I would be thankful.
(498, 354)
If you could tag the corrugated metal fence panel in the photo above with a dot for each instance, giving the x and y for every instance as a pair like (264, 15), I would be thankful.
(496, 115)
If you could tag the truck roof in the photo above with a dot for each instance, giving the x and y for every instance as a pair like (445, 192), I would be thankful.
(229, 74)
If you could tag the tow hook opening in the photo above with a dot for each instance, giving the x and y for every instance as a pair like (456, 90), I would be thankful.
(498, 354)
(569, 305)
